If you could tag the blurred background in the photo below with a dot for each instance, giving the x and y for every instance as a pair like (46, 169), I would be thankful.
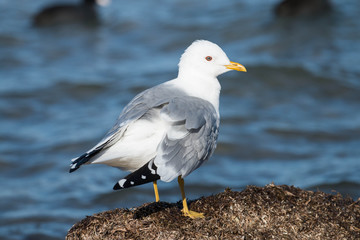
(293, 118)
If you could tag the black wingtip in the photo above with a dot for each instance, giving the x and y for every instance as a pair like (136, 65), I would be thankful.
(73, 167)
(84, 159)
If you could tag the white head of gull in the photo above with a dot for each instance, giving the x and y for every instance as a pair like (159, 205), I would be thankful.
(199, 67)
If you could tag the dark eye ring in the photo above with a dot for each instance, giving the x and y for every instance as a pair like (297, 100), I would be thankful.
(208, 58)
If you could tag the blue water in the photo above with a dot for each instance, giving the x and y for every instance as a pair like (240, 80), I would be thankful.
(293, 118)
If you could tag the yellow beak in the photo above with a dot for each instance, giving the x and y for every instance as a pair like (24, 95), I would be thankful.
(236, 66)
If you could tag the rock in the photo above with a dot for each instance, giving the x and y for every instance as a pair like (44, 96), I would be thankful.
(270, 212)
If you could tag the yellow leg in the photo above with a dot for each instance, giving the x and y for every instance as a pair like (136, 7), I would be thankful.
(157, 198)
(185, 209)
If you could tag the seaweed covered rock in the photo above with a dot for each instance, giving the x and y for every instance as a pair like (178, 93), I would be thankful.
(270, 212)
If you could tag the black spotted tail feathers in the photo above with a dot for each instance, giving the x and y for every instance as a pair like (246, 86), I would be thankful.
(145, 174)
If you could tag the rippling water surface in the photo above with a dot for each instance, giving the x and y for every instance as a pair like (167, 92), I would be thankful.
(293, 119)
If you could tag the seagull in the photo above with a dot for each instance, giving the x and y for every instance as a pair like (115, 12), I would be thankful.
(67, 13)
(169, 130)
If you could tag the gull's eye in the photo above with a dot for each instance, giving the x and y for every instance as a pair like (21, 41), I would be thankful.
(208, 58)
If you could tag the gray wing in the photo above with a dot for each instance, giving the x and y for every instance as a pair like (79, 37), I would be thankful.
(190, 140)
(139, 106)
(136, 109)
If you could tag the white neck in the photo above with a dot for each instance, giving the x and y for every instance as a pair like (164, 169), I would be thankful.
(198, 85)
